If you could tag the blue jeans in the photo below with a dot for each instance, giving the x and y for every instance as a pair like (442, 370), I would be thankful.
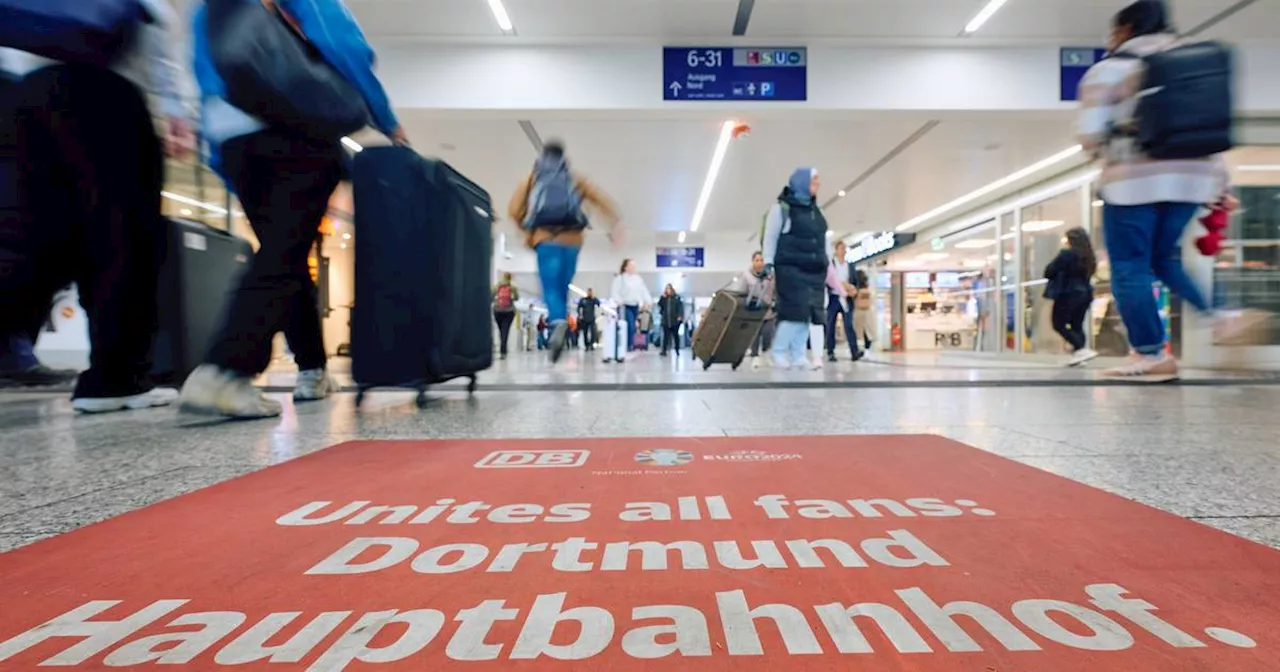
(557, 265)
(1144, 243)
(790, 342)
(633, 315)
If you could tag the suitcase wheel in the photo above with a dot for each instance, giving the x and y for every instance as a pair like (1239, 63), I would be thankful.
(421, 401)
(471, 386)
(706, 365)
(737, 364)
(359, 397)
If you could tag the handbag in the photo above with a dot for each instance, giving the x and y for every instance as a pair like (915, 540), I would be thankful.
(272, 72)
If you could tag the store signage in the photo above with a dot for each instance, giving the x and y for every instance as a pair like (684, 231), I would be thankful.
(1073, 63)
(735, 73)
(878, 244)
(681, 257)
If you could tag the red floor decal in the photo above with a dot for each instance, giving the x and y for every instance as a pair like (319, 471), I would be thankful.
(878, 553)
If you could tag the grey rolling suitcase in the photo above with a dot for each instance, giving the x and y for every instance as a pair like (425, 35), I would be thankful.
(727, 331)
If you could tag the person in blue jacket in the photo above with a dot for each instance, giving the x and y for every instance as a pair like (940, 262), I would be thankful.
(284, 182)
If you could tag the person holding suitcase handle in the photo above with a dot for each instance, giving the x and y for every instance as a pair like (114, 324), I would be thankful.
(90, 169)
(282, 82)
(549, 207)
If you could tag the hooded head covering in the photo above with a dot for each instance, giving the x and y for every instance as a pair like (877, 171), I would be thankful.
(1145, 17)
(799, 184)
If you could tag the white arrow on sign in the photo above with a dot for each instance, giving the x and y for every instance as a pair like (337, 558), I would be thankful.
(675, 89)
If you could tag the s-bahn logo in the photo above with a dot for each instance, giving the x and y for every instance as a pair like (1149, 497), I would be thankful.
(664, 457)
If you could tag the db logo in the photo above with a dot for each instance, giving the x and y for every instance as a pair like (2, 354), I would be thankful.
(533, 459)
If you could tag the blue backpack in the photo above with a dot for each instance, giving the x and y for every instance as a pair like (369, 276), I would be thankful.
(91, 32)
(554, 200)
(1184, 109)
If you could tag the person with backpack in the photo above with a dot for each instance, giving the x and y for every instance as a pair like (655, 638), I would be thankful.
(96, 84)
(672, 307)
(1070, 287)
(1158, 114)
(505, 296)
(795, 238)
(550, 207)
(283, 171)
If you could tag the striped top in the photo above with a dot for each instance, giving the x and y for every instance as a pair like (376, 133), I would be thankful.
(1108, 96)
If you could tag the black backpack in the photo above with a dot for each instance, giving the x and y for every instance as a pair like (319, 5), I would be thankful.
(1185, 107)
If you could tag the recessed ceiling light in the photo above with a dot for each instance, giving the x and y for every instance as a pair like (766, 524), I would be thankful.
(1098, 203)
(346, 236)
(682, 236)
(841, 193)
(186, 212)
(1041, 225)
(500, 15)
(984, 15)
(975, 244)
(713, 171)
(343, 246)
(994, 186)
(352, 145)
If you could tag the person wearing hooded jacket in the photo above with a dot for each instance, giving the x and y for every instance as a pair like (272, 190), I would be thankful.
(795, 252)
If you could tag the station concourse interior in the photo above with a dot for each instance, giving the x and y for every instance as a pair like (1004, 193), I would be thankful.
(949, 168)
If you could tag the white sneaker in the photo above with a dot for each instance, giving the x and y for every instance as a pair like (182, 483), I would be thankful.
(214, 391)
(160, 396)
(816, 364)
(755, 363)
(1160, 366)
(1082, 356)
(312, 385)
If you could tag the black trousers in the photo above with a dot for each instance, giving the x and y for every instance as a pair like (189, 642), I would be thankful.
(504, 321)
(589, 335)
(90, 171)
(836, 308)
(671, 339)
(764, 339)
(284, 184)
(1068, 318)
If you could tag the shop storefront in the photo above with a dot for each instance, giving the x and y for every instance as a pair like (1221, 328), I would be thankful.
(977, 283)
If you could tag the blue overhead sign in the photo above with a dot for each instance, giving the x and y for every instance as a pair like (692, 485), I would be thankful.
(680, 257)
(735, 73)
(1073, 63)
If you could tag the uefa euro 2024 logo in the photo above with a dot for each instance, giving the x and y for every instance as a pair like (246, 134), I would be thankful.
(664, 457)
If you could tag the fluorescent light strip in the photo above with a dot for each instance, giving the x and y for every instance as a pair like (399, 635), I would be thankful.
(1258, 169)
(983, 16)
(352, 145)
(191, 201)
(994, 186)
(577, 290)
(722, 145)
(500, 15)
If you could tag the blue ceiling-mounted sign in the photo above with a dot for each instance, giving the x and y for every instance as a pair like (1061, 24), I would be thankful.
(1073, 63)
(681, 257)
(735, 73)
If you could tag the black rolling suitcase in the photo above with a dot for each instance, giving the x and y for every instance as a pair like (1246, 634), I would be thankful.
(422, 312)
(201, 266)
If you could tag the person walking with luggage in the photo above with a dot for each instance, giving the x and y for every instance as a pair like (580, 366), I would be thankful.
(89, 171)
(630, 292)
(1070, 287)
(795, 235)
(839, 305)
(758, 284)
(672, 307)
(505, 296)
(550, 207)
(1151, 190)
(588, 307)
(284, 179)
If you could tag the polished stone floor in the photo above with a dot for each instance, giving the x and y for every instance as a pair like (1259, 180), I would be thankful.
(1207, 450)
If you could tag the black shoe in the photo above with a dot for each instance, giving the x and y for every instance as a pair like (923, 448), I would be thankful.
(832, 357)
(858, 356)
(38, 376)
(502, 356)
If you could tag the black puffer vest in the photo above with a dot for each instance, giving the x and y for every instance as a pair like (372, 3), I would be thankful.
(800, 263)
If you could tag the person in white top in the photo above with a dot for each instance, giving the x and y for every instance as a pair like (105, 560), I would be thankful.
(630, 292)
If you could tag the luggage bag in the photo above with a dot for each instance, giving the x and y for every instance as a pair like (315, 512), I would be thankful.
(201, 266)
(422, 312)
(728, 330)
